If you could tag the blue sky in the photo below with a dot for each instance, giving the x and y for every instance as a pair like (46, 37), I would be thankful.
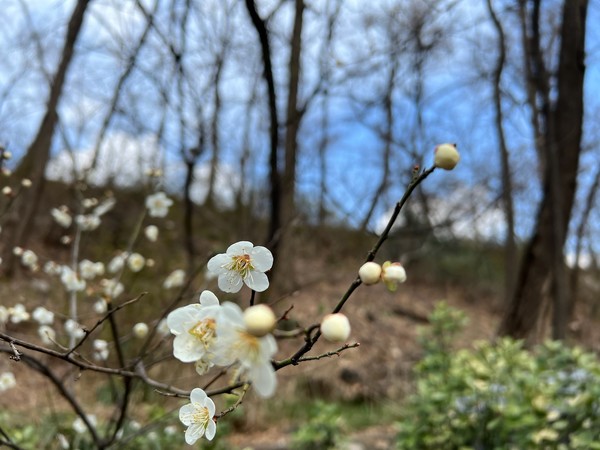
(456, 105)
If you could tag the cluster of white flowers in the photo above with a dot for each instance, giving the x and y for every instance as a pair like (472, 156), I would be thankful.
(71, 280)
(209, 333)
(100, 349)
(90, 270)
(18, 313)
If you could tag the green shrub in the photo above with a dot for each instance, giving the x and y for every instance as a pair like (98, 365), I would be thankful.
(322, 432)
(499, 395)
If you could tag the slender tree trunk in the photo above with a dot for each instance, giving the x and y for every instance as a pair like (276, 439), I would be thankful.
(510, 248)
(542, 268)
(274, 175)
(33, 164)
(288, 181)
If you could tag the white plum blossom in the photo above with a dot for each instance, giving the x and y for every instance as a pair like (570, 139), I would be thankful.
(163, 328)
(151, 233)
(198, 417)
(18, 313)
(175, 279)
(88, 203)
(42, 316)
(29, 259)
(17, 251)
(117, 263)
(136, 262)
(70, 280)
(140, 330)
(194, 328)
(4, 314)
(100, 349)
(79, 425)
(254, 354)
(242, 263)
(100, 306)
(89, 270)
(73, 329)
(158, 204)
(87, 222)
(8, 381)
(61, 216)
(52, 268)
(47, 334)
(392, 274)
(112, 288)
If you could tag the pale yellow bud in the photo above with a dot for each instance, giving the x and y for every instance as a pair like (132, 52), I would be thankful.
(140, 330)
(259, 320)
(26, 183)
(335, 327)
(370, 272)
(446, 156)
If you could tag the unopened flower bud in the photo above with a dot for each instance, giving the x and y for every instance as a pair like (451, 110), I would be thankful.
(446, 156)
(259, 320)
(7, 190)
(26, 183)
(370, 272)
(140, 330)
(392, 274)
(6, 154)
(335, 327)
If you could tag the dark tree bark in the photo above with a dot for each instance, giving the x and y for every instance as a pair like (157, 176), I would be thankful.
(33, 164)
(510, 248)
(542, 273)
(274, 176)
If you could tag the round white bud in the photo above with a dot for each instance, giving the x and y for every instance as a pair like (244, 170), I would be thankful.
(259, 320)
(446, 156)
(335, 327)
(140, 330)
(370, 272)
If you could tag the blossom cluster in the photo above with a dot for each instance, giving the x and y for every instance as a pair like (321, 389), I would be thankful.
(210, 333)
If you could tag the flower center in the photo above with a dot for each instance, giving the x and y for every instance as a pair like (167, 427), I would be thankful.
(204, 331)
(241, 264)
(201, 416)
(248, 346)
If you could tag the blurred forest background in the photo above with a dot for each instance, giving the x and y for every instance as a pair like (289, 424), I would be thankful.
(297, 124)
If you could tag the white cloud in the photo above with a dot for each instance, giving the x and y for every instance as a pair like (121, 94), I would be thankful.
(124, 161)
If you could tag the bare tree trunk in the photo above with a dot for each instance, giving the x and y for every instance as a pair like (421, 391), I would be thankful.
(33, 164)
(288, 181)
(510, 248)
(215, 142)
(543, 262)
(274, 176)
